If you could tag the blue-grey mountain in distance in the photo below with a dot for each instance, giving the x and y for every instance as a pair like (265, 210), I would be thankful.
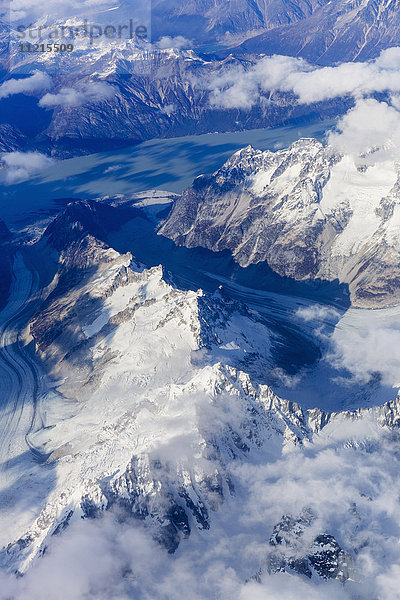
(321, 31)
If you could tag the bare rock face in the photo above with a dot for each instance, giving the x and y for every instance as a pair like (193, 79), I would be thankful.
(330, 32)
(293, 552)
(305, 211)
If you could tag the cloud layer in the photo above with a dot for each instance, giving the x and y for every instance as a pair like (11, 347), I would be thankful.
(240, 88)
(349, 477)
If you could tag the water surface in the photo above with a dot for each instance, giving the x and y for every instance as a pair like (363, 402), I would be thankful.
(168, 164)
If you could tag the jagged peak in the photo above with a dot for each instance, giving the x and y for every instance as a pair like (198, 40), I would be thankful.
(74, 222)
(87, 217)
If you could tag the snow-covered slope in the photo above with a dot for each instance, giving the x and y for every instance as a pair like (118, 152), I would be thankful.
(134, 361)
(145, 410)
(306, 211)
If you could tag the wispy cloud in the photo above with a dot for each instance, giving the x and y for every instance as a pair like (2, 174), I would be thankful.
(19, 166)
(89, 93)
(177, 42)
(37, 82)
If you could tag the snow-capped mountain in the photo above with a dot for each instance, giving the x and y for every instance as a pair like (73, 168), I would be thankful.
(199, 390)
(320, 31)
(151, 404)
(160, 89)
(307, 211)
(115, 90)
(109, 331)
(108, 93)
(325, 558)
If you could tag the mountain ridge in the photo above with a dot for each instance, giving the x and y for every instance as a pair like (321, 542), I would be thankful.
(308, 211)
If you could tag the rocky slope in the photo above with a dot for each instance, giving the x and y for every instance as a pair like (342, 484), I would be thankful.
(306, 211)
(329, 32)
(145, 92)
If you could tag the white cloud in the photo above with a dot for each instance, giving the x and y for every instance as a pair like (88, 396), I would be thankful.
(367, 342)
(240, 88)
(364, 342)
(19, 166)
(371, 127)
(112, 169)
(177, 42)
(29, 85)
(169, 109)
(88, 93)
(317, 313)
(356, 79)
(349, 477)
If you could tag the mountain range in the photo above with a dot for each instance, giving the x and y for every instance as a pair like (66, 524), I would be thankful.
(199, 387)
(143, 405)
(144, 93)
(323, 32)
(160, 90)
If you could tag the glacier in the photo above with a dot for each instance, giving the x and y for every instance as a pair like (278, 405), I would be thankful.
(144, 410)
